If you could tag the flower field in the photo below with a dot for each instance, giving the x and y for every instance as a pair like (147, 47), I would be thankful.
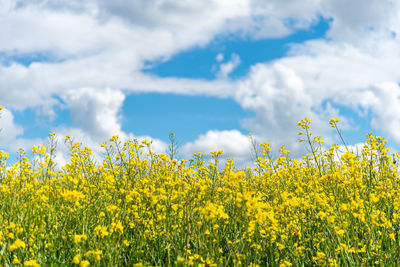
(138, 208)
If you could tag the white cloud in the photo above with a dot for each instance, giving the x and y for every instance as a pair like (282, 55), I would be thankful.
(274, 19)
(100, 44)
(234, 144)
(9, 131)
(385, 105)
(351, 19)
(104, 44)
(278, 97)
(96, 111)
(226, 68)
(316, 74)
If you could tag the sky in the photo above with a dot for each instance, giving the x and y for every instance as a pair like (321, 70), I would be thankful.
(212, 72)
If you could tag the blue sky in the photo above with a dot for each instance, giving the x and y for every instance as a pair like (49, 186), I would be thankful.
(212, 74)
(199, 62)
(157, 115)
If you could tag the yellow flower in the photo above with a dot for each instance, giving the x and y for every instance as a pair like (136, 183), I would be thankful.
(341, 232)
(72, 195)
(285, 263)
(15, 260)
(101, 231)
(120, 227)
(17, 244)
(333, 121)
(79, 238)
(41, 149)
(145, 142)
(391, 236)
(84, 263)
(32, 263)
(136, 196)
(77, 258)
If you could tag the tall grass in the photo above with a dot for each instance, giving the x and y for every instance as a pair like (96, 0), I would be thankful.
(141, 208)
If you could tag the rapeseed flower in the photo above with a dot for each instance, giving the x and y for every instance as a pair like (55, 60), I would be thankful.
(331, 207)
(32, 263)
(77, 258)
(80, 238)
(17, 244)
(84, 263)
(16, 260)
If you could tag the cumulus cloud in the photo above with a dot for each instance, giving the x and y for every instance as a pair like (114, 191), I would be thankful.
(384, 102)
(93, 53)
(278, 98)
(232, 142)
(104, 44)
(99, 44)
(355, 18)
(96, 111)
(9, 130)
(317, 74)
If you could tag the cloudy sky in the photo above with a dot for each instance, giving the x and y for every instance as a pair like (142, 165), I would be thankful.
(210, 71)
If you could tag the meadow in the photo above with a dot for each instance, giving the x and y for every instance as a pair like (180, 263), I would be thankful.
(138, 208)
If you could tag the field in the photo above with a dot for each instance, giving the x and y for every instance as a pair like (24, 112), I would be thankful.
(138, 208)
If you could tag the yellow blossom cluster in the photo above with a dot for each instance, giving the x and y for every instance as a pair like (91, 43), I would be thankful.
(333, 207)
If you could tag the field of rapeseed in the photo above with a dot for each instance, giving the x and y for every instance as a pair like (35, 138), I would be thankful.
(138, 208)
